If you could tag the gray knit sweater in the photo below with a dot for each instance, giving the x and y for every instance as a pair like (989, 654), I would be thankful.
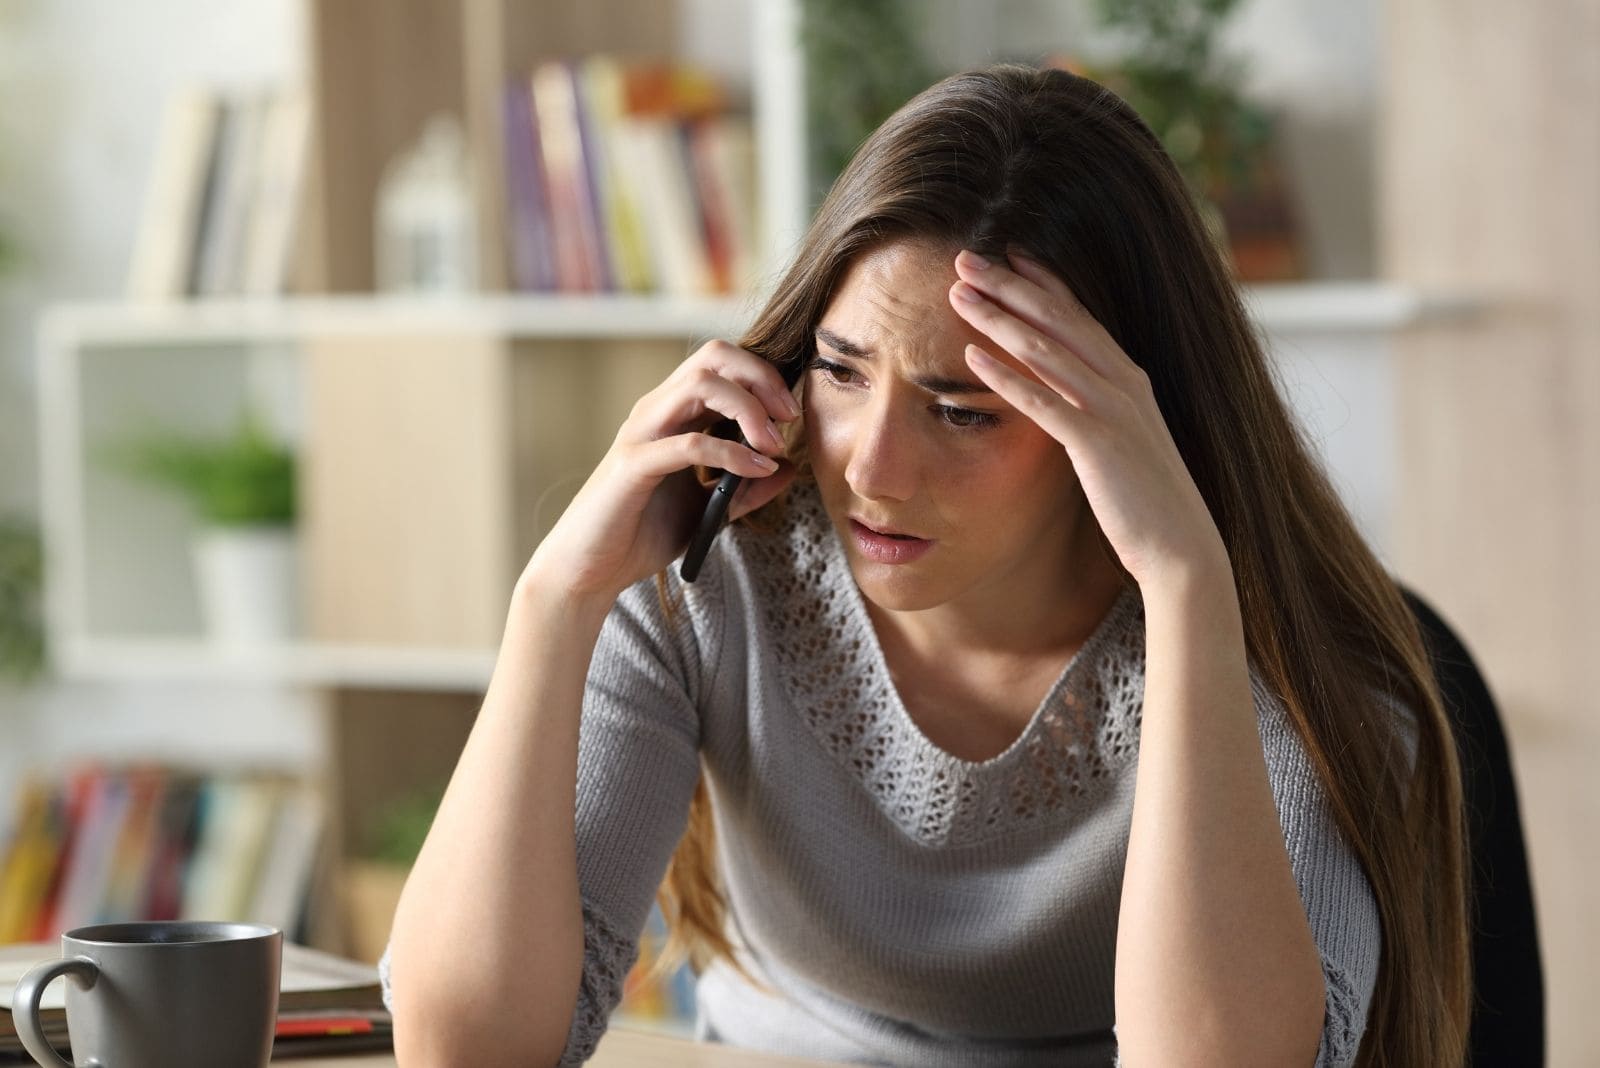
(900, 906)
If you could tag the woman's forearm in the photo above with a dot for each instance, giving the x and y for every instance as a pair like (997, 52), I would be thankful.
(1216, 963)
(487, 945)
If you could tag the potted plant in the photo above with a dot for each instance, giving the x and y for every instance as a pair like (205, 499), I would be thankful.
(862, 61)
(373, 880)
(242, 489)
(1175, 74)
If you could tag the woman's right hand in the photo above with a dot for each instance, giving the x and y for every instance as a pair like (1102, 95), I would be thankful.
(638, 508)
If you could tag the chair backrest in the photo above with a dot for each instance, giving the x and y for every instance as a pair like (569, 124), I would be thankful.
(1508, 1010)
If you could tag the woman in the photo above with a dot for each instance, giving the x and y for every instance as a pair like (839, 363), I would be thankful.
(1050, 710)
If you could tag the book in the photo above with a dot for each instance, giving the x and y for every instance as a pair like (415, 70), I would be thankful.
(722, 150)
(204, 263)
(602, 100)
(533, 266)
(175, 197)
(177, 830)
(580, 258)
(279, 191)
(653, 149)
(228, 856)
(88, 869)
(222, 246)
(31, 860)
(288, 859)
(127, 879)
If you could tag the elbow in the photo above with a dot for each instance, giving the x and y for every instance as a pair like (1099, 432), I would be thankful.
(453, 1039)
(447, 1024)
(1287, 1031)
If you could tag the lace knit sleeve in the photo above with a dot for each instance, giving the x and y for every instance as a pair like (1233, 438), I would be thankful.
(1337, 897)
(607, 956)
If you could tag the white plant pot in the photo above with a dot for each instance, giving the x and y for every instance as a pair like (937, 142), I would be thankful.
(248, 584)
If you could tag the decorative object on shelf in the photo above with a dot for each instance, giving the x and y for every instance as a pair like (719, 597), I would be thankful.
(862, 61)
(242, 489)
(22, 642)
(1175, 75)
(426, 223)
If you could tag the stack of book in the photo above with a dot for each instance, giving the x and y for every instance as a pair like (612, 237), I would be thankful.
(325, 1004)
(148, 843)
(627, 178)
(224, 196)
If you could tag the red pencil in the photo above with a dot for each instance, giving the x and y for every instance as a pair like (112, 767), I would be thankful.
(323, 1025)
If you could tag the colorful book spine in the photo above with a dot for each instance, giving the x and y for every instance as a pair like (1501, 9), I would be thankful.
(533, 267)
(647, 181)
(147, 843)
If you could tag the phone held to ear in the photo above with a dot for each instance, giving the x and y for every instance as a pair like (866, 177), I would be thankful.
(716, 513)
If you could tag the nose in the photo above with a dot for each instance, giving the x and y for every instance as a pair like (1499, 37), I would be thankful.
(883, 462)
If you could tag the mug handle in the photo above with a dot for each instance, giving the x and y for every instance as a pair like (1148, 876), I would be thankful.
(25, 1005)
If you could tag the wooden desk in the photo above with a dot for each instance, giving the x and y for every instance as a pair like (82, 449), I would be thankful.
(618, 1049)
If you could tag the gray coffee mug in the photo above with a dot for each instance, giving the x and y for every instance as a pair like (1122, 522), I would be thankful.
(160, 995)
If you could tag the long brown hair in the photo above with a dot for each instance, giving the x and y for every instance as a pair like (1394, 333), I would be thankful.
(1059, 167)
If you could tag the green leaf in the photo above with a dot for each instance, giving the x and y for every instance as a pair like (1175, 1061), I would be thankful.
(247, 478)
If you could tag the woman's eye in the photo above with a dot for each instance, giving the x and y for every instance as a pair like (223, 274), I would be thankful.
(837, 373)
(966, 418)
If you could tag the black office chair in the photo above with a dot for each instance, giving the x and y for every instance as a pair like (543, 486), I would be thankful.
(1508, 1010)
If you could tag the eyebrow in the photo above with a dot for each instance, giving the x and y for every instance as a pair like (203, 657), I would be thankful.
(931, 383)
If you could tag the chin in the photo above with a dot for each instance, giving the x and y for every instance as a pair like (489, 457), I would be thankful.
(899, 591)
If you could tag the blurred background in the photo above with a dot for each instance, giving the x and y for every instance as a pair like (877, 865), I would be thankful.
(314, 314)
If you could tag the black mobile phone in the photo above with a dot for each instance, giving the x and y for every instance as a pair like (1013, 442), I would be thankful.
(716, 512)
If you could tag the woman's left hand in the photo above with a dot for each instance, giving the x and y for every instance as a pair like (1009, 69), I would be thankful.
(1087, 393)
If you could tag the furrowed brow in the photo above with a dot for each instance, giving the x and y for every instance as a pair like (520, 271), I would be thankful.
(841, 345)
(950, 387)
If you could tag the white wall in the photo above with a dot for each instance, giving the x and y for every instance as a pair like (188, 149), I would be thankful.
(82, 86)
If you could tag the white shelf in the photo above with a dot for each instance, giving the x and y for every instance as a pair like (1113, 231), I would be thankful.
(293, 663)
(1350, 307)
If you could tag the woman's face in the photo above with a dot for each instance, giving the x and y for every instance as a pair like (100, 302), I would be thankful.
(904, 439)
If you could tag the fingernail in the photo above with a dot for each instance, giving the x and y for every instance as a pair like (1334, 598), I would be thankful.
(774, 435)
(973, 260)
(791, 405)
(764, 460)
(966, 292)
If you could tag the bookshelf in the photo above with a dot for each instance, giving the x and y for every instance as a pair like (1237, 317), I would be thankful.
(440, 437)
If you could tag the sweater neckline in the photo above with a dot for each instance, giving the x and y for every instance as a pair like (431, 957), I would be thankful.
(1076, 747)
(1126, 602)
